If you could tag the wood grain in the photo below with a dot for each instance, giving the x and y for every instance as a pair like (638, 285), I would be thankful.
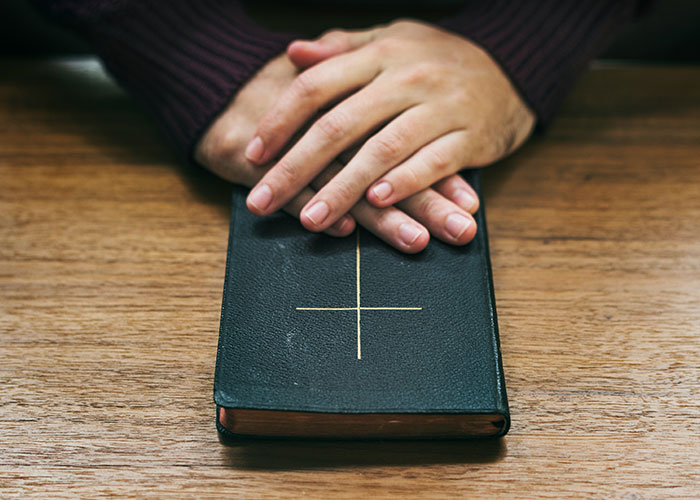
(111, 271)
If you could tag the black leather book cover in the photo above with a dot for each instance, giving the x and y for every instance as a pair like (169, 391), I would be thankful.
(338, 327)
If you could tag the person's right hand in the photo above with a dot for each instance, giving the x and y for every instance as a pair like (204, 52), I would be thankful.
(222, 150)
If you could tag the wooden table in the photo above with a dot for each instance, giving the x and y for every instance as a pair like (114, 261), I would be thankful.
(111, 271)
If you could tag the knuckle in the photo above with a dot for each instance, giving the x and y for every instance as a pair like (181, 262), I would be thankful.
(424, 74)
(491, 146)
(333, 125)
(464, 99)
(387, 147)
(289, 172)
(410, 180)
(383, 220)
(405, 23)
(269, 126)
(221, 149)
(333, 36)
(401, 22)
(436, 161)
(204, 153)
(387, 45)
(305, 86)
(346, 193)
(429, 207)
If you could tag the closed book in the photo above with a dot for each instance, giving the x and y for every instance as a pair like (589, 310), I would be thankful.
(325, 337)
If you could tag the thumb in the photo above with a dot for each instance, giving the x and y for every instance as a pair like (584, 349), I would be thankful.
(305, 53)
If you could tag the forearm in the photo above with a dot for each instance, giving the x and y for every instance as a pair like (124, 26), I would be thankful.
(543, 45)
(182, 59)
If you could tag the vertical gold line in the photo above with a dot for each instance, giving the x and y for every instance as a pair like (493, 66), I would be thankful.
(357, 272)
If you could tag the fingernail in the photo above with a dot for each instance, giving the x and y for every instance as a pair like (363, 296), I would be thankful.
(409, 233)
(261, 197)
(382, 190)
(254, 150)
(456, 224)
(464, 199)
(318, 212)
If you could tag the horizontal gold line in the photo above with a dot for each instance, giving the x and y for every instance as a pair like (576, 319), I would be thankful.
(363, 308)
(392, 308)
(326, 308)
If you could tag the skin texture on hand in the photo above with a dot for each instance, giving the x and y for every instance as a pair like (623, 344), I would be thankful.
(421, 102)
(222, 150)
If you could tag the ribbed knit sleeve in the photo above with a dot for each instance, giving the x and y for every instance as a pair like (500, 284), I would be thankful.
(182, 59)
(542, 45)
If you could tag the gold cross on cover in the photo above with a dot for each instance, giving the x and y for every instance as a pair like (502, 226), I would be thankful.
(358, 307)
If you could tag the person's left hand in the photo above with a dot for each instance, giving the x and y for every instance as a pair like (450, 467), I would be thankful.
(422, 103)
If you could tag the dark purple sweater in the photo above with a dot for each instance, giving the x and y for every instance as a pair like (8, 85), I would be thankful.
(184, 59)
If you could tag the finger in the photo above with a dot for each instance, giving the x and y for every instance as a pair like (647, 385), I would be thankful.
(393, 226)
(343, 227)
(334, 132)
(305, 53)
(382, 152)
(457, 190)
(443, 218)
(438, 159)
(309, 92)
(390, 224)
(241, 172)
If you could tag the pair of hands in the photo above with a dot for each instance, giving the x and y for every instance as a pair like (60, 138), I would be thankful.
(370, 127)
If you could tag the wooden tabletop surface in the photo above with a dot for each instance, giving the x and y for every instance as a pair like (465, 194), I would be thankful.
(111, 271)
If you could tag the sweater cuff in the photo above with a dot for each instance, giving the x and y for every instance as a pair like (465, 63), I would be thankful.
(183, 60)
(542, 46)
